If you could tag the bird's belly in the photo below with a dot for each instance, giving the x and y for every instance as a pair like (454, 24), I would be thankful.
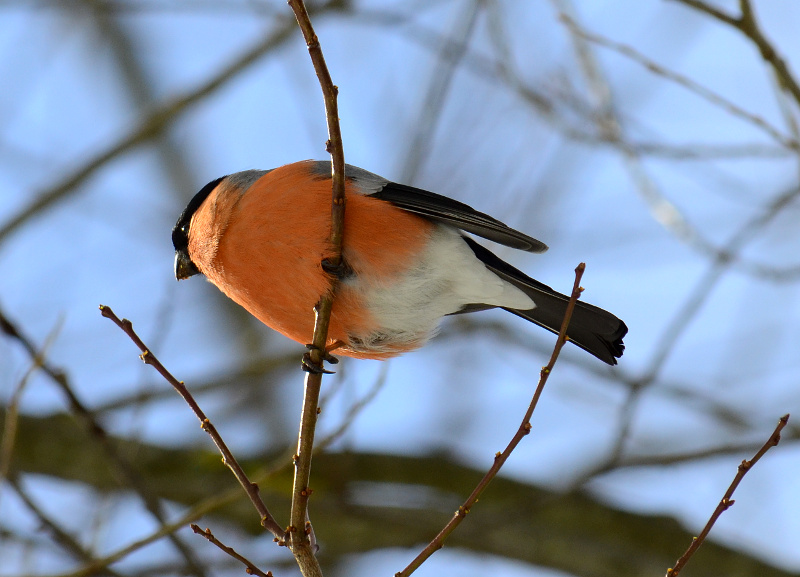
(404, 314)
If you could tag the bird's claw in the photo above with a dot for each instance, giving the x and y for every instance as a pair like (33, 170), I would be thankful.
(310, 366)
(340, 271)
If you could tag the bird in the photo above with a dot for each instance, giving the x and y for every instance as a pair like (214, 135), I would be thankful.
(408, 260)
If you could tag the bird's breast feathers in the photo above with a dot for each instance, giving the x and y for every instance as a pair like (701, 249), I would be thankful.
(270, 232)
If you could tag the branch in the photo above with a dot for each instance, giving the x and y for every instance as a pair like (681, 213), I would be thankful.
(747, 25)
(267, 520)
(215, 502)
(12, 408)
(151, 126)
(59, 534)
(123, 470)
(681, 80)
(726, 501)
(252, 569)
(300, 528)
(501, 458)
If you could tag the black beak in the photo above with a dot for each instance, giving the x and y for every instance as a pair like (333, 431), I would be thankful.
(184, 267)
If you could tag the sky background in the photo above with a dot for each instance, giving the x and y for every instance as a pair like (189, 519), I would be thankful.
(646, 174)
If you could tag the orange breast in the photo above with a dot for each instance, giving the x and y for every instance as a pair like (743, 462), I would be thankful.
(270, 249)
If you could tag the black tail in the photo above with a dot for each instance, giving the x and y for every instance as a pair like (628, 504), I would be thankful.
(591, 328)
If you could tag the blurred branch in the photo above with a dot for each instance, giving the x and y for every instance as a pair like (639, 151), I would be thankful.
(691, 151)
(171, 158)
(267, 520)
(354, 410)
(59, 535)
(122, 469)
(686, 313)
(746, 23)
(500, 69)
(500, 458)
(665, 212)
(681, 80)
(617, 543)
(665, 460)
(139, 88)
(12, 408)
(300, 530)
(448, 59)
(133, 7)
(691, 395)
(167, 472)
(726, 501)
(673, 220)
(153, 124)
(243, 376)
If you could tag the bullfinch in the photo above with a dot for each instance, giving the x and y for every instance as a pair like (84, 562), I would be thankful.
(263, 238)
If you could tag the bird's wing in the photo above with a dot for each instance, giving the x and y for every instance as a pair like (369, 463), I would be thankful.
(442, 209)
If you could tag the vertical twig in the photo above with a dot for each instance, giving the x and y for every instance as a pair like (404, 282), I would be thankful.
(300, 529)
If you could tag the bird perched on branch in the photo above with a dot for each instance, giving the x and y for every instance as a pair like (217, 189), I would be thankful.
(263, 238)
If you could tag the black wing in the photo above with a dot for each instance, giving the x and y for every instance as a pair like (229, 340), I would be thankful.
(462, 216)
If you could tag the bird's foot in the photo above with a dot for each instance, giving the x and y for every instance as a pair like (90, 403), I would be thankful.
(310, 366)
(340, 271)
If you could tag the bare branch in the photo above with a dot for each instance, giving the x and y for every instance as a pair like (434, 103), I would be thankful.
(252, 569)
(681, 80)
(12, 409)
(726, 501)
(149, 127)
(500, 458)
(267, 520)
(122, 469)
(300, 530)
(710, 10)
(747, 25)
(58, 533)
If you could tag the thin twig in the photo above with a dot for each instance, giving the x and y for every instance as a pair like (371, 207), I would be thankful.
(252, 569)
(681, 80)
(300, 529)
(500, 458)
(124, 472)
(267, 520)
(215, 502)
(726, 501)
(746, 23)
